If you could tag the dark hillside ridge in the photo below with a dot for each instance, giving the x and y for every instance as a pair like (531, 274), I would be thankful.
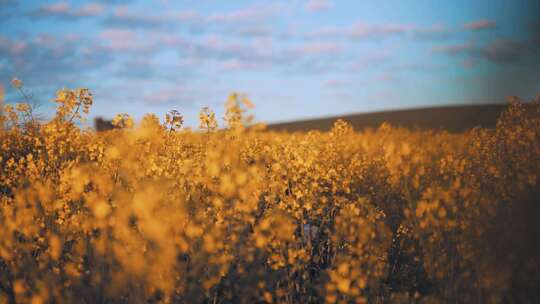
(449, 118)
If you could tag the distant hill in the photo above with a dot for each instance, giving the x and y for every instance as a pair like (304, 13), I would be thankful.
(450, 118)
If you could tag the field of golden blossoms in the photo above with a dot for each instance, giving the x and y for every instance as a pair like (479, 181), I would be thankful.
(153, 212)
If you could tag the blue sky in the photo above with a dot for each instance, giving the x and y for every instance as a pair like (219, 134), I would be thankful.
(295, 59)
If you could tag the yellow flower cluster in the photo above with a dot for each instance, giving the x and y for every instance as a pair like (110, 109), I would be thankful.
(152, 212)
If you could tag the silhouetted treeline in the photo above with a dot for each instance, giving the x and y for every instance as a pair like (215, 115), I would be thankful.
(449, 118)
(101, 124)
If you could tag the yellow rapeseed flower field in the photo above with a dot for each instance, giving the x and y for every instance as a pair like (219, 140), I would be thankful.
(153, 212)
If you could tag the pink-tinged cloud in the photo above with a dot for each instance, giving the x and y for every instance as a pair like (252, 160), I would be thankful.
(388, 77)
(56, 46)
(49, 59)
(91, 9)
(248, 21)
(498, 51)
(454, 49)
(171, 40)
(436, 31)
(123, 40)
(483, 24)
(124, 17)
(318, 48)
(58, 8)
(416, 66)
(14, 49)
(240, 65)
(369, 60)
(18, 47)
(254, 31)
(118, 35)
(505, 51)
(468, 63)
(318, 5)
(360, 30)
(176, 94)
(249, 14)
(325, 32)
(65, 10)
(258, 50)
(336, 83)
